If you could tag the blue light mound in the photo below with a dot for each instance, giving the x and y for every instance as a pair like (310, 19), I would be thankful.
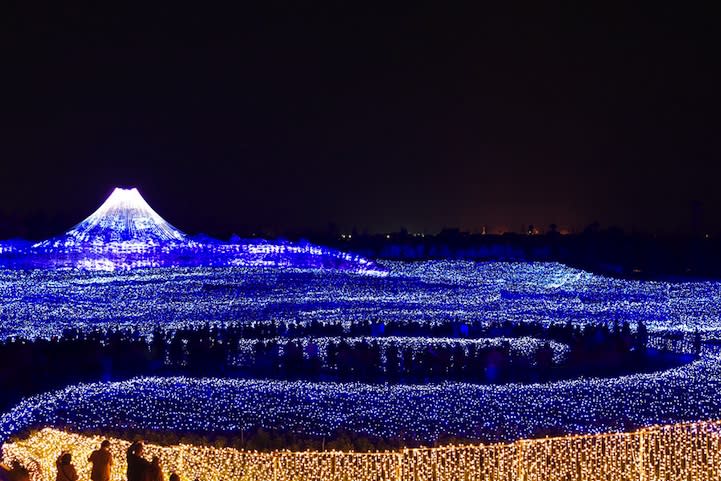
(126, 233)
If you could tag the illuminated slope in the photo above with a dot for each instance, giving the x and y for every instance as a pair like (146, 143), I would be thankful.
(126, 233)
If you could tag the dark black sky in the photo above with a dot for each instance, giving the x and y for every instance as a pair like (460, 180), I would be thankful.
(420, 115)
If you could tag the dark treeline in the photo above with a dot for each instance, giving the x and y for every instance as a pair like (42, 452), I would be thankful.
(231, 332)
(608, 251)
(258, 351)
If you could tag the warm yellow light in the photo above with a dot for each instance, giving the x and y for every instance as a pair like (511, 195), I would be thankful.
(689, 451)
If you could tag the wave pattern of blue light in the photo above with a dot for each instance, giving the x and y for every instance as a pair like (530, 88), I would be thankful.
(42, 303)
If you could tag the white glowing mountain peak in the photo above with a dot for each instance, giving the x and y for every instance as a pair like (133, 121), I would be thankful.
(126, 233)
(124, 217)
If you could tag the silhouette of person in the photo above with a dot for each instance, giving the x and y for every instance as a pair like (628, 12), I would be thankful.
(14, 472)
(66, 470)
(102, 461)
(138, 467)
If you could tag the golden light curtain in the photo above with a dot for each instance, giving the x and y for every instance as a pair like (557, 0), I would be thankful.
(688, 452)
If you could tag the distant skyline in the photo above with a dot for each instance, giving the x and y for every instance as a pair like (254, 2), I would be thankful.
(54, 220)
(287, 118)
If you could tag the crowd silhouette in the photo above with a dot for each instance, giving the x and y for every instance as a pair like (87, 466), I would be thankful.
(138, 467)
(14, 472)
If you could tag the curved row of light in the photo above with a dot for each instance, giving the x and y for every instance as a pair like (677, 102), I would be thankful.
(420, 413)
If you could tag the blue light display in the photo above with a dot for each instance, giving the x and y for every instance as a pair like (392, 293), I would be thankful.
(94, 277)
(42, 303)
(126, 233)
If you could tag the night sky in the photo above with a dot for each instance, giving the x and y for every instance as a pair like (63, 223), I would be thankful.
(286, 118)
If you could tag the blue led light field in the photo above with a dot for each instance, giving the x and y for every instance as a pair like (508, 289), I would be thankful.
(125, 267)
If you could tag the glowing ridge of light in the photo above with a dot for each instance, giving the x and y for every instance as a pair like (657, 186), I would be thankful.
(569, 278)
(524, 347)
(126, 233)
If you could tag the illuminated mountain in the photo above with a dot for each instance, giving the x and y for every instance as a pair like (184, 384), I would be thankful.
(126, 233)
(124, 217)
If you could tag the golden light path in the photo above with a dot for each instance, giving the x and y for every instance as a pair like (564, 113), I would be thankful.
(689, 452)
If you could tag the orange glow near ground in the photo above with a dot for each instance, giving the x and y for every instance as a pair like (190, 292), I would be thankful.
(682, 451)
